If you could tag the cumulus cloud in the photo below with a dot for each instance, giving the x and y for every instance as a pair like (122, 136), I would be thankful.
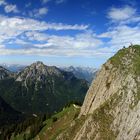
(2, 46)
(39, 12)
(122, 36)
(60, 1)
(123, 13)
(28, 4)
(11, 8)
(8, 8)
(17, 24)
(55, 1)
(122, 33)
(32, 38)
(2, 2)
(25, 31)
(82, 44)
(85, 40)
(45, 1)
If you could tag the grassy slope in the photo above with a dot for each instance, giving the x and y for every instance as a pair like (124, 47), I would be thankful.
(55, 126)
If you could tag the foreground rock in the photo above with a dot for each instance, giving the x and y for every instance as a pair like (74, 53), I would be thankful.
(111, 109)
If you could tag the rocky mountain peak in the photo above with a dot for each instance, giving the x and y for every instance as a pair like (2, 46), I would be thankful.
(38, 64)
(38, 71)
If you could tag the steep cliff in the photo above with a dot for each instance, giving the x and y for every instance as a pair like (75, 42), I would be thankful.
(111, 109)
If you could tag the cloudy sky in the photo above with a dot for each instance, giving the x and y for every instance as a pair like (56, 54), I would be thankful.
(66, 32)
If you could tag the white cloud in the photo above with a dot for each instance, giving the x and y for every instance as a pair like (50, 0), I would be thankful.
(24, 31)
(11, 8)
(45, 1)
(2, 2)
(122, 35)
(119, 14)
(55, 1)
(8, 8)
(121, 32)
(85, 40)
(31, 36)
(60, 1)
(39, 12)
(28, 5)
(82, 44)
(2, 46)
(19, 25)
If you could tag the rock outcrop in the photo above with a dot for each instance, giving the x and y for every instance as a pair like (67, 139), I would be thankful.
(112, 105)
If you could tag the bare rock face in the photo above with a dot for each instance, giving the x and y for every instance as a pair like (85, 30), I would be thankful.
(37, 71)
(112, 102)
(106, 84)
(112, 105)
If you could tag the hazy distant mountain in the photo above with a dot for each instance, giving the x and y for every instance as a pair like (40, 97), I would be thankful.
(42, 89)
(13, 67)
(86, 73)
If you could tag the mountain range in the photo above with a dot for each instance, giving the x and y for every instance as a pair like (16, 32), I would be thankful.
(86, 73)
(13, 67)
(40, 89)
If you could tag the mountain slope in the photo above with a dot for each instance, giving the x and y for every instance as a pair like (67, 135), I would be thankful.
(42, 89)
(7, 113)
(112, 105)
(13, 67)
(86, 73)
(58, 122)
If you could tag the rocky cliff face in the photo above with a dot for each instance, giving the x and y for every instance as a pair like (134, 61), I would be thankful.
(111, 109)
(37, 71)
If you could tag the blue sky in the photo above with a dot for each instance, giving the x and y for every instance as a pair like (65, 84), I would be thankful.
(66, 32)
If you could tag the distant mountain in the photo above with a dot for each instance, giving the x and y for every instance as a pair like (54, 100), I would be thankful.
(42, 89)
(4, 73)
(86, 73)
(13, 67)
